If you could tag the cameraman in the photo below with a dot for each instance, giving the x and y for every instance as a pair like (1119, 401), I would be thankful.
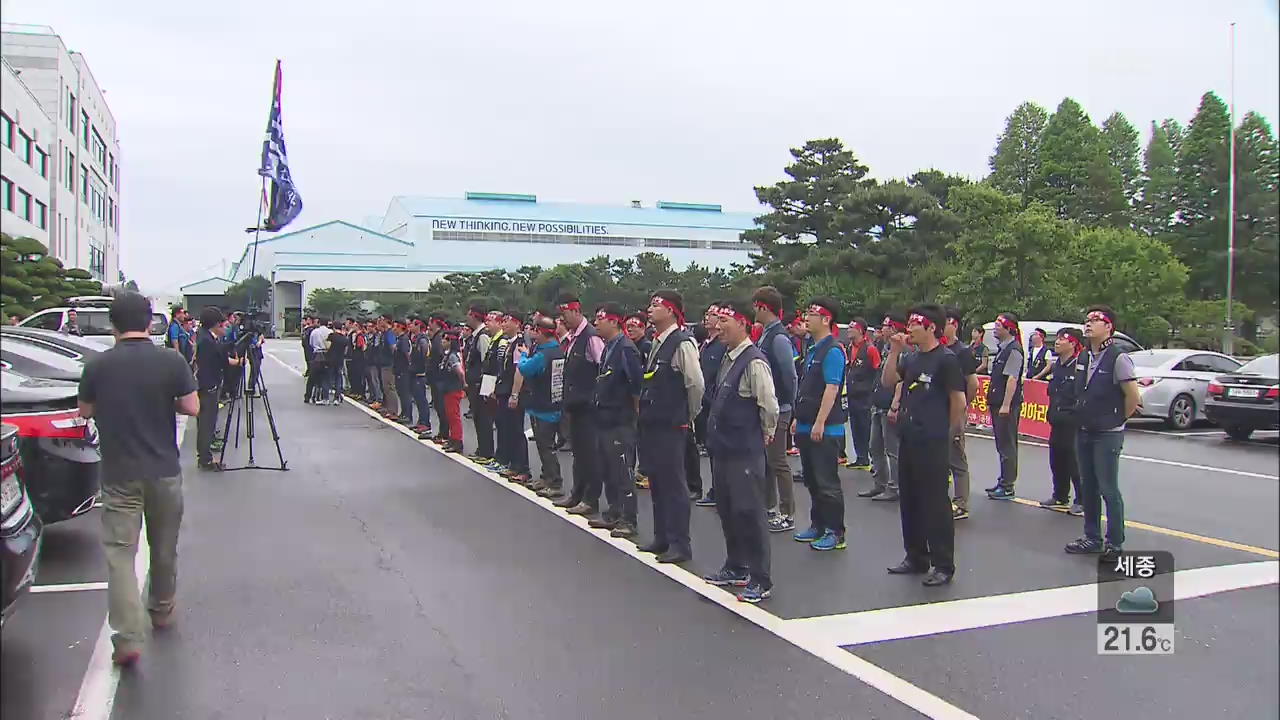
(212, 361)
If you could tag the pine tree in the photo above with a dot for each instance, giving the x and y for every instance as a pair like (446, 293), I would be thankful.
(1200, 240)
(1076, 178)
(1158, 205)
(1016, 162)
(1257, 266)
(1120, 140)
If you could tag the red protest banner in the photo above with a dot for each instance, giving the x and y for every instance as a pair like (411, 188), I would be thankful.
(1035, 408)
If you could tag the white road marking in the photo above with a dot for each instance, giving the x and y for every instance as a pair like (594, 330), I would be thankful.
(69, 587)
(942, 617)
(1158, 461)
(98, 688)
(896, 687)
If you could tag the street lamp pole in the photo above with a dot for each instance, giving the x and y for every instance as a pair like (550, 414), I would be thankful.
(1228, 337)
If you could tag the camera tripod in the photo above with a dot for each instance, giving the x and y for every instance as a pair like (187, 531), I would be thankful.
(250, 387)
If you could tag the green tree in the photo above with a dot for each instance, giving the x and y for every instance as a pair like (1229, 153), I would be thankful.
(1015, 165)
(1158, 206)
(1200, 240)
(1120, 141)
(1257, 266)
(254, 289)
(332, 302)
(1076, 179)
(1201, 324)
(31, 279)
(1132, 272)
(1012, 258)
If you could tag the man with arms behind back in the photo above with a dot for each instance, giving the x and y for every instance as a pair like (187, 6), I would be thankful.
(134, 390)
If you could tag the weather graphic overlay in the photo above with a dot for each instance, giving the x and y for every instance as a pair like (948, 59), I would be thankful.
(1136, 604)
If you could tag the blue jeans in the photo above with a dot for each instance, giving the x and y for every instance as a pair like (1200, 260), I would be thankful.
(337, 370)
(860, 427)
(1100, 482)
(420, 400)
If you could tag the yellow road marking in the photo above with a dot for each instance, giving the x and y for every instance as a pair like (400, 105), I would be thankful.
(1219, 542)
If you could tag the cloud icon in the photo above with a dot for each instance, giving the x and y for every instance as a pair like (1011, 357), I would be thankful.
(1139, 601)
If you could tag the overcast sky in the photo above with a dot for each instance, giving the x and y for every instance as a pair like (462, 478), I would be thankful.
(692, 101)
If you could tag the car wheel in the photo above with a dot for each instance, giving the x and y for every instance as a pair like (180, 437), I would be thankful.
(1182, 413)
(1238, 432)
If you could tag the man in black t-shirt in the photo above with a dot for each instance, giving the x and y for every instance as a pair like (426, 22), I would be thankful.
(133, 391)
(929, 416)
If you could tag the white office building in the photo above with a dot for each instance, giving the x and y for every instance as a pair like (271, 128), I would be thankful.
(75, 158)
(421, 239)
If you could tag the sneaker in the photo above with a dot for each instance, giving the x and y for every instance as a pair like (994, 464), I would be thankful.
(452, 447)
(1084, 546)
(870, 492)
(886, 496)
(550, 491)
(603, 523)
(793, 452)
(993, 488)
(781, 523)
(807, 536)
(726, 576)
(1110, 555)
(707, 500)
(754, 593)
(860, 465)
(1054, 504)
(959, 512)
(583, 509)
(829, 541)
(623, 529)
(1001, 494)
(1076, 509)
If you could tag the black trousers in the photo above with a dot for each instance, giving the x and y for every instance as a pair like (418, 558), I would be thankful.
(544, 437)
(482, 418)
(356, 373)
(1063, 461)
(587, 478)
(821, 479)
(667, 489)
(313, 380)
(615, 449)
(207, 424)
(740, 487)
(437, 402)
(513, 448)
(928, 528)
(1005, 429)
(693, 465)
(860, 424)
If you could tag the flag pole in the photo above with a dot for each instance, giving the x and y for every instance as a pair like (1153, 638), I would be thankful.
(1228, 337)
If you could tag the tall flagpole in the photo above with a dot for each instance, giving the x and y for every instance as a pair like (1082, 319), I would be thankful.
(1228, 338)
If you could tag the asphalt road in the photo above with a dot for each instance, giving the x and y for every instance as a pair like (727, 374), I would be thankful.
(378, 578)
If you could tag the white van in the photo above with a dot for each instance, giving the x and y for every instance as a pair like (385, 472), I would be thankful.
(91, 318)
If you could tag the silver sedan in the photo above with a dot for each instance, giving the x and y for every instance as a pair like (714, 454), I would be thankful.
(1173, 383)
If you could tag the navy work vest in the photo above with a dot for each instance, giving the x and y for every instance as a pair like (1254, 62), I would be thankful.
(507, 367)
(733, 425)
(995, 392)
(579, 371)
(709, 359)
(663, 401)
(812, 386)
(1062, 392)
(544, 392)
(613, 399)
(1100, 401)
(862, 377)
(447, 380)
(473, 360)
(782, 385)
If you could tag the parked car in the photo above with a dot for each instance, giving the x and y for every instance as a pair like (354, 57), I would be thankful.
(1174, 383)
(91, 318)
(20, 526)
(30, 358)
(73, 347)
(59, 448)
(1247, 399)
(1126, 343)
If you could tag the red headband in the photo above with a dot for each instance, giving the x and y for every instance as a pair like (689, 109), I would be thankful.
(675, 310)
(602, 315)
(819, 310)
(635, 322)
(766, 306)
(575, 305)
(862, 327)
(1099, 315)
(893, 324)
(921, 320)
(733, 314)
(493, 315)
(1009, 325)
(1074, 342)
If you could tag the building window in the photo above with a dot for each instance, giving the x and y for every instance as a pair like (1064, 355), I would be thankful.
(42, 215)
(111, 213)
(6, 187)
(84, 184)
(6, 130)
(84, 128)
(71, 111)
(70, 172)
(24, 147)
(24, 204)
(42, 162)
(100, 150)
(111, 168)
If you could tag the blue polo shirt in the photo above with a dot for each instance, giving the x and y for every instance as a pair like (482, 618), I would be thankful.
(533, 366)
(832, 374)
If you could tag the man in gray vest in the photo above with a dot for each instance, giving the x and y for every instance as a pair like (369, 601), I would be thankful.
(778, 350)
(1004, 398)
(1106, 395)
(742, 420)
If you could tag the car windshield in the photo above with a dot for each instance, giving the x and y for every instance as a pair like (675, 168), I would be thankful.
(1268, 365)
(158, 324)
(1152, 358)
